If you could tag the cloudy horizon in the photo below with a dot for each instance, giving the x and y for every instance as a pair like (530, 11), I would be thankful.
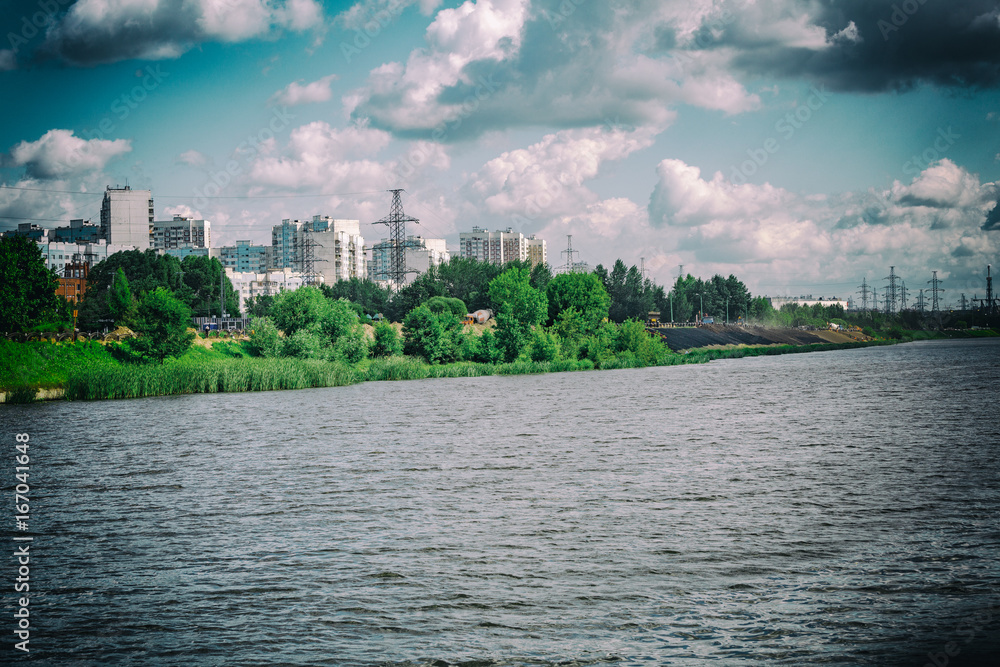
(802, 146)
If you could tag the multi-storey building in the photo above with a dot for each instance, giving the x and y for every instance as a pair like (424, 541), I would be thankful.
(501, 246)
(333, 246)
(245, 257)
(419, 254)
(536, 251)
(181, 232)
(264, 283)
(73, 282)
(127, 217)
(58, 255)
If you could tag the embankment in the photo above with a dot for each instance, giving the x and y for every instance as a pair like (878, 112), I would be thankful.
(710, 335)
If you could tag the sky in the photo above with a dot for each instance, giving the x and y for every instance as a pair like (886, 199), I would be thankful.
(803, 146)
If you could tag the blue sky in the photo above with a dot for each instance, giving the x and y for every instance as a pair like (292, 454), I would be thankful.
(802, 146)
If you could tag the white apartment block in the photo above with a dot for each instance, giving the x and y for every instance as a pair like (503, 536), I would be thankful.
(419, 255)
(265, 283)
(337, 247)
(58, 255)
(181, 232)
(127, 217)
(501, 246)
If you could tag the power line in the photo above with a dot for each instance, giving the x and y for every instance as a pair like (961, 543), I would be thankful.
(192, 196)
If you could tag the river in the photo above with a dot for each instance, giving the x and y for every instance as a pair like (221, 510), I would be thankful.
(835, 508)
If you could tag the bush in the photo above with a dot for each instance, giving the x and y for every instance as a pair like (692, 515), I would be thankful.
(485, 350)
(634, 339)
(161, 321)
(543, 346)
(351, 347)
(306, 343)
(387, 342)
(265, 341)
(444, 304)
(423, 335)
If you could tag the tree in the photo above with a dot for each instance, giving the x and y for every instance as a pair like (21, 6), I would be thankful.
(444, 304)
(369, 295)
(387, 342)
(27, 288)
(582, 292)
(424, 336)
(306, 307)
(162, 323)
(519, 307)
(265, 341)
(120, 302)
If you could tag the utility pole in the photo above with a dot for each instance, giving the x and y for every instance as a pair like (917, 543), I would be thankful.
(569, 253)
(396, 222)
(222, 293)
(671, 307)
(890, 294)
(701, 303)
(727, 311)
(864, 293)
(935, 290)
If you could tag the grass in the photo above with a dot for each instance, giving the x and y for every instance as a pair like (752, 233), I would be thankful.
(88, 372)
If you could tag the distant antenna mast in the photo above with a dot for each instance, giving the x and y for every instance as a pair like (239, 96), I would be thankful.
(569, 253)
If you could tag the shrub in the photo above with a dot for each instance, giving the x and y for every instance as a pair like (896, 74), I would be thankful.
(351, 347)
(265, 340)
(306, 343)
(444, 304)
(387, 342)
(423, 335)
(543, 346)
(485, 349)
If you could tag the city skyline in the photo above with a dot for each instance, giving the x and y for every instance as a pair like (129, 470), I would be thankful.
(801, 147)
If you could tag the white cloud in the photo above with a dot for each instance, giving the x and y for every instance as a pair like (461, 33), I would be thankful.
(193, 158)
(296, 93)
(58, 154)
(105, 31)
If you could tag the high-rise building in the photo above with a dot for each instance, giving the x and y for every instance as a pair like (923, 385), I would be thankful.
(501, 246)
(181, 232)
(244, 257)
(536, 250)
(333, 246)
(419, 255)
(127, 217)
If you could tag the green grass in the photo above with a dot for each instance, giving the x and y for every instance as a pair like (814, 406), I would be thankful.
(88, 372)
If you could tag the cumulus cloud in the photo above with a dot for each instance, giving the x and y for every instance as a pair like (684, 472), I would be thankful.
(193, 158)
(496, 64)
(59, 154)
(297, 93)
(104, 31)
(380, 11)
(863, 45)
(933, 222)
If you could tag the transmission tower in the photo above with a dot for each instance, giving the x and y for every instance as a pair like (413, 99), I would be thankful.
(921, 303)
(569, 253)
(396, 222)
(965, 303)
(991, 302)
(890, 292)
(902, 295)
(935, 290)
(642, 267)
(864, 293)
(309, 245)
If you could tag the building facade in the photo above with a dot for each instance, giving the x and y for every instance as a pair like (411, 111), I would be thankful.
(73, 282)
(58, 255)
(334, 246)
(419, 255)
(244, 257)
(267, 283)
(181, 232)
(501, 246)
(778, 301)
(127, 217)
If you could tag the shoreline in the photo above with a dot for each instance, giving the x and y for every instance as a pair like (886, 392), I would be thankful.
(251, 374)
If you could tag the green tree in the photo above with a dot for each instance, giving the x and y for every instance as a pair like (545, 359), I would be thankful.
(265, 340)
(518, 307)
(369, 295)
(387, 342)
(27, 288)
(162, 323)
(582, 292)
(424, 336)
(543, 346)
(306, 307)
(445, 304)
(120, 303)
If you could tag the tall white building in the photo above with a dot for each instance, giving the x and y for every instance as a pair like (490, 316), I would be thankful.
(127, 217)
(265, 283)
(181, 232)
(419, 256)
(335, 244)
(501, 246)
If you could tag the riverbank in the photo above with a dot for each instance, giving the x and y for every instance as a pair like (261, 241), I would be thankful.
(86, 371)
